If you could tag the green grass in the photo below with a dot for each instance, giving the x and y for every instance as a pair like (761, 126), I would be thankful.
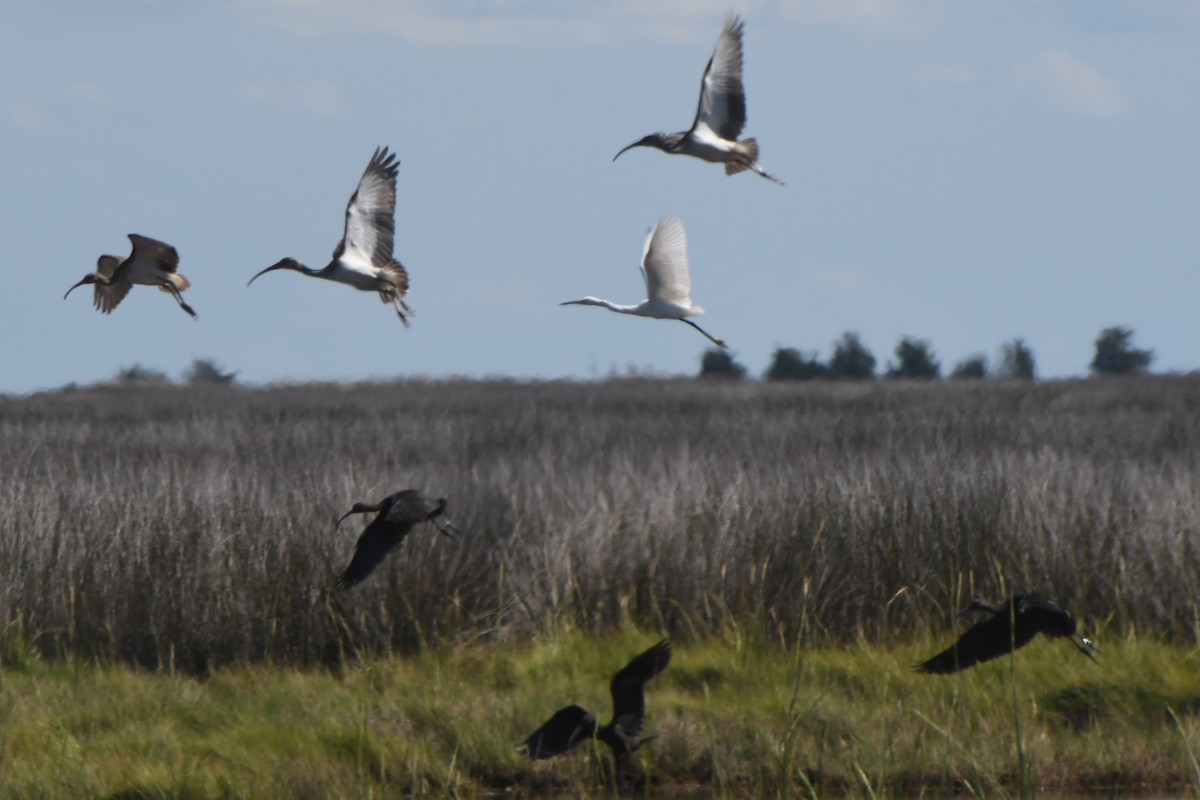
(742, 717)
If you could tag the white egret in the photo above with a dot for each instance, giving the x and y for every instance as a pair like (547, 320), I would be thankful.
(668, 286)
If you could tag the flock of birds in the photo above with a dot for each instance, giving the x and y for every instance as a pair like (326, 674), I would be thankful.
(1008, 627)
(363, 259)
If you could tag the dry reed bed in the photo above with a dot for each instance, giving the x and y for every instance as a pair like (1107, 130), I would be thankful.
(193, 526)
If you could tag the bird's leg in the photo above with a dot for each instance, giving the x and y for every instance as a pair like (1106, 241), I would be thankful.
(715, 341)
(446, 531)
(179, 299)
(1086, 646)
(754, 166)
(402, 310)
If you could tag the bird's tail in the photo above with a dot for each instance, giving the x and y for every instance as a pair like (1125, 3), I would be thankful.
(747, 151)
(178, 281)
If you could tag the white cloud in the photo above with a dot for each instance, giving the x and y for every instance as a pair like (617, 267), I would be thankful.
(25, 116)
(877, 17)
(1068, 84)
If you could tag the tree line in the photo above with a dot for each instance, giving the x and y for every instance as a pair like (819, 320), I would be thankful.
(913, 357)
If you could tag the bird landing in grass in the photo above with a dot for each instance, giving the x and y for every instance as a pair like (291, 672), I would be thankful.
(397, 514)
(571, 725)
(1011, 626)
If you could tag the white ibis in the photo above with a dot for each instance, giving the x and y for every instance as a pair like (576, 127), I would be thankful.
(571, 725)
(152, 263)
(1010, 627)
(363, 258)
(668, 286)
(720, 115)
(398, 514)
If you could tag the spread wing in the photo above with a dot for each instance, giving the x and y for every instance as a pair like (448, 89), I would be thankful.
(722, 106)
(106, 298)
(629, 703)
(379, 538)
(983, 641)
(370, 214)
(408, 507)
(560, 733)
(664, 263)
(162, 254)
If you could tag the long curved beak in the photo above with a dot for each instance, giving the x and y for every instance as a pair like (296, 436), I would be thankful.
(73, 288)
(271, 268)
(627, 147)
(348, 513)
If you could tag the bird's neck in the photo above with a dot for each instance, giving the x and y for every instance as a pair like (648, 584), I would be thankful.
(611, 306)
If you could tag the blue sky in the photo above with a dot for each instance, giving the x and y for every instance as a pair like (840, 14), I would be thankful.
(964, 172)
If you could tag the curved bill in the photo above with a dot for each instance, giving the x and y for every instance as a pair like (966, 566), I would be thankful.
(638, 143)
(279, 265)
(348, 513)
(76, 286)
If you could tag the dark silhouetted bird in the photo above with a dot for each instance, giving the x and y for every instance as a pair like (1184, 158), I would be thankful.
(152, 263)
(1010, 627)
(573, 724)
(720, 114)
(398, 513)
(363, 258)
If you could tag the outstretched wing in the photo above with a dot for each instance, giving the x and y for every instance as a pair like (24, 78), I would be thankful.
(161, 254)
(629, 703)
(107, 297)
(409, 506)
(370, 214)
(722, 106)
(560, 733)
(983, 641)
(379, 538)
(664, 263)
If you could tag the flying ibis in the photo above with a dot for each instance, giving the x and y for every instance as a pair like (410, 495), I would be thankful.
(363, 258)
(571, 725)
(152, 263)
(720, 114)
(1011, 626)
(397, 515)
(668, 286)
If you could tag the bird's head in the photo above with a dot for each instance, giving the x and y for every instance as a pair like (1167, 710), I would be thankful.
(660, 140)
(283, 263)
(91, 277)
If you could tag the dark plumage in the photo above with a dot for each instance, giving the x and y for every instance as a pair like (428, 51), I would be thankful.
(398, 513)
(573, 724)
(1010, 627)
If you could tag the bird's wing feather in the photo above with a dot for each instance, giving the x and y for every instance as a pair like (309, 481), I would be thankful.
(560, 733)
(629, 702)
(107, 297)
(983, 641)
(722, 106)
(408, 507)
(377, 540)
(664, 263)
(160, 253)
(370, 214)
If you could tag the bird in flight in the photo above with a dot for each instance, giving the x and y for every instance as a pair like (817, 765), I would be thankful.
(363, 258)
(668, 285)
(397, 514)
(1011, 626)
(720, 114)
(571, 725)
(152, 263)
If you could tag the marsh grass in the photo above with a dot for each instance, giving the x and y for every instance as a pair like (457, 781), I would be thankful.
(743, 720)
(185, 528)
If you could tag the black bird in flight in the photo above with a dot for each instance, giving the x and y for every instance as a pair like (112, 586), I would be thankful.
(398, 514)
(573, 724)
(1010, 627)
(152, 263)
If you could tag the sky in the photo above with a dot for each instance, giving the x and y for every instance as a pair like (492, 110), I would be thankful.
(962, 172)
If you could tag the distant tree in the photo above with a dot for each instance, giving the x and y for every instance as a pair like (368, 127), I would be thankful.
(1016, 360)
(205, 370)
(789, 364)
(1116, 355)
(914, 359)
(139, 374)
(720, 364)
(970, 367)
(851, 359)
